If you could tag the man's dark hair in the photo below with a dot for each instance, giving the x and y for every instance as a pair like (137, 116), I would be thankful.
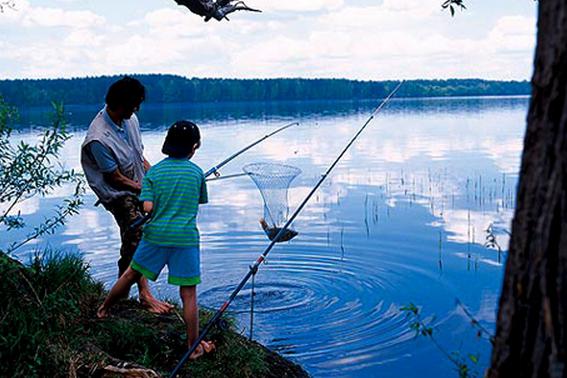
(127, 92)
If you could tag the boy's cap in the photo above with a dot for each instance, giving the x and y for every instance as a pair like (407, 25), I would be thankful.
(180, 139)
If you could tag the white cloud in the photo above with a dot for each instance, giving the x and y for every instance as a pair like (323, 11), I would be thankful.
(391, 15)
(329, 38)
(29, 16)
(52, 17)
(80, 37)
(513, 33)
(173, 23)
(300, 5)
(392, 40)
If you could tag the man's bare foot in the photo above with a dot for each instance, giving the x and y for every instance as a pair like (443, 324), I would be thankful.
(155, 306)
(102, 312)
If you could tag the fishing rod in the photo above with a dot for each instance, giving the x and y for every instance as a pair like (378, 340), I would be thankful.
(227, 177)
(215, 170)
(253, 269)
(231, 157)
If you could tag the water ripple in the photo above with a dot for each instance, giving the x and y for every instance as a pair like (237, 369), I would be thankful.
(318, 304)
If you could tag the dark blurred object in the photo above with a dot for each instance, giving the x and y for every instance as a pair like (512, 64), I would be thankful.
(215, 9)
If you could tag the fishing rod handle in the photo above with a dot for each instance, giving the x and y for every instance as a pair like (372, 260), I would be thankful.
(140, 222)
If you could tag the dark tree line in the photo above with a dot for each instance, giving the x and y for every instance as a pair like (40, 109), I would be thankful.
(171, 89)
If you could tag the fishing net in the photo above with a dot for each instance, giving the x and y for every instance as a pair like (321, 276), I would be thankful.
(273, 181)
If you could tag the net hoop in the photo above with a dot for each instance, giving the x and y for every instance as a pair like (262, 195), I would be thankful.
(276, 170)
(273, 181)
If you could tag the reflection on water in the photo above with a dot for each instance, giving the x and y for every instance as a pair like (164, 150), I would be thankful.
(404, 218)
(154, 115)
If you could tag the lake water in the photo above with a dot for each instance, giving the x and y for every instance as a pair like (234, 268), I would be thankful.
(402, 219)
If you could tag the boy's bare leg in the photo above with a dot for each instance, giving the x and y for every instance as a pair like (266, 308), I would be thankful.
(191, 317)
(120, 290)
(190, 312)
(149, 301)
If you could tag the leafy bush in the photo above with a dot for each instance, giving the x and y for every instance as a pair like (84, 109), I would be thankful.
(27, 170)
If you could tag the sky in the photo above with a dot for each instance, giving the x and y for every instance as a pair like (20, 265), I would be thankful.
(354, 39)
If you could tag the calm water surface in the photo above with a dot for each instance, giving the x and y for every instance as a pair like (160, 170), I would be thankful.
(403, 219)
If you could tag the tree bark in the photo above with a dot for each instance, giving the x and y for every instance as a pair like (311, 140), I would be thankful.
(531, 334)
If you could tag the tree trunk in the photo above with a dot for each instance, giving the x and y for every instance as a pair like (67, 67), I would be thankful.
(531, 334)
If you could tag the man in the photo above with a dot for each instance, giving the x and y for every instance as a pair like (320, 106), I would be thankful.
(114, 164)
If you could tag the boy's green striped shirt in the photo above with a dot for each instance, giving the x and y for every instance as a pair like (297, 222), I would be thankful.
(176, 187)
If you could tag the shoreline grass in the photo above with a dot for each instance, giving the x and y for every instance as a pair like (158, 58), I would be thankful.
(48, 327)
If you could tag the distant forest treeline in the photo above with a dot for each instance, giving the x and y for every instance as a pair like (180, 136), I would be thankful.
(171, 88)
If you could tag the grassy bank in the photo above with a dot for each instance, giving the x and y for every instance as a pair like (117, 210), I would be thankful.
(48, 328)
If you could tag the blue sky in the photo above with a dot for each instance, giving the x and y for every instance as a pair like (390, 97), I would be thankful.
(357, 39)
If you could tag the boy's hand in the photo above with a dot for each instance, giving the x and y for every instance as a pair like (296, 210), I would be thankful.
(148, 207)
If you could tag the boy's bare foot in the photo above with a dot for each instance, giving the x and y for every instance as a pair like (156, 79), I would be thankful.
(155, 306)
(208, 346)
(204, 347)
(197, 353)
(102, 312)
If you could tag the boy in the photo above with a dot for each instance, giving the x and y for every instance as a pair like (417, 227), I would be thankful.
(172, 191)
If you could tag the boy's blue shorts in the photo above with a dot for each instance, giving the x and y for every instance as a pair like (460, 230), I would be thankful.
(184, 263)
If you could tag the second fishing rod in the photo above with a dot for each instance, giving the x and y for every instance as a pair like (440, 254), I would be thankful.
(253, 269)
(215, 170)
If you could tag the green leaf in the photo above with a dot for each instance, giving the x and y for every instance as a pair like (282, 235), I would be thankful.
(473, 358)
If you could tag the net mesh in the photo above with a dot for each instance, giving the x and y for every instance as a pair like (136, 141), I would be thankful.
(273, 181)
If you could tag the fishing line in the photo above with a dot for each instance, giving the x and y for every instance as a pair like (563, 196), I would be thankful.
(253, 269)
